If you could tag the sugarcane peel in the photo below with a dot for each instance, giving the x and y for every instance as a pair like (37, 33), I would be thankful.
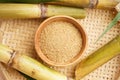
(98, 58)
(28, 66)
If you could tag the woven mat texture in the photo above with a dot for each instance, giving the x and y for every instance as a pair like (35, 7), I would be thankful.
(19, 35)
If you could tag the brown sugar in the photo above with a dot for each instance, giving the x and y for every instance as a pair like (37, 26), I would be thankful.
(60, 41)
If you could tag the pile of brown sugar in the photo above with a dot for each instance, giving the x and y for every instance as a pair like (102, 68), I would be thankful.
(60, 41)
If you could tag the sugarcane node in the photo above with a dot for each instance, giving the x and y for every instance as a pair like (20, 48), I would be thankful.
(11, 58)
(93, 3)
(43, 10)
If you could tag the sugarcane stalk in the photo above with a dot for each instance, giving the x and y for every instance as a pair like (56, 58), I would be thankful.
(19, 11)
(5, 57)
(101, 4)
(24, 1)
(107, 4)
(83, 3)
(74, 3)
(28, 66)
(38, 11)
(98, 58)
(53, 10)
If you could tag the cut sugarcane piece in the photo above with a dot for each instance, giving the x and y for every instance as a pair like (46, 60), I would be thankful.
(102, 4)
(53, 10)
(75, 3)
(24, 1)
(20, 11)
(38, 11)
(84, 3)
(5, 53)
(98, 58)
(107, 4)
(28, 66)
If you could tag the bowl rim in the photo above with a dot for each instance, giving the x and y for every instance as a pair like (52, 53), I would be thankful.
(71, 61)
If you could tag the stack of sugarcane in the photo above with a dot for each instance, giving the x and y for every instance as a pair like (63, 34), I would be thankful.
(31, 67)
(17, 10)
(39, 10)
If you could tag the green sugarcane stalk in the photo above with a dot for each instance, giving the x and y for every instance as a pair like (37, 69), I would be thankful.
(74, 3)
(98, 58)
(38, 11)
(28, 66)
(53, 10)
(102, 4)
(19, 11)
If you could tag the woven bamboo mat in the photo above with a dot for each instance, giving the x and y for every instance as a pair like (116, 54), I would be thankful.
(19, 35)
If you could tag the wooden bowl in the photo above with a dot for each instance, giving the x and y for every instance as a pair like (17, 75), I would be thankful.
(66, 19)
